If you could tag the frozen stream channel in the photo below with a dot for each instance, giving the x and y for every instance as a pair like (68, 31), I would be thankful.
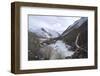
(58, 50)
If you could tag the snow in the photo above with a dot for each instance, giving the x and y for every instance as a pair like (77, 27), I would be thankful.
(62, 48)
(58, 50)
(45, 32)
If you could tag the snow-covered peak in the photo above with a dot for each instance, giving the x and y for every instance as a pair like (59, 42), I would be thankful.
(45, 32)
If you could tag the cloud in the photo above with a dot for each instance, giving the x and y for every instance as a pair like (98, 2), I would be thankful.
(56, 23)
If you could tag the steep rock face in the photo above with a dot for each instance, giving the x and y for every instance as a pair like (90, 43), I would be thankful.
(70, 34)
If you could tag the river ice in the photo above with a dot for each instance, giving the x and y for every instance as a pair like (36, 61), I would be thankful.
(62, 48)
(57, 50)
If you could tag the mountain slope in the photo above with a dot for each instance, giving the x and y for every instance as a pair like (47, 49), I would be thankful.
(45, 33)
(80, 26)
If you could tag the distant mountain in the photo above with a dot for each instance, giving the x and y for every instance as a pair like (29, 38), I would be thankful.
(45, 33)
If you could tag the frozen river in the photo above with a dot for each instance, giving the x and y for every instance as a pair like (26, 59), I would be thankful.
(57, 50)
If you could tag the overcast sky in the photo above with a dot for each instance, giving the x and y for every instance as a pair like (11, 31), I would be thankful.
(56, 23)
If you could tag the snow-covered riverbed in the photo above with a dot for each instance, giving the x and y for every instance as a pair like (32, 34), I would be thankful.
(58, 50)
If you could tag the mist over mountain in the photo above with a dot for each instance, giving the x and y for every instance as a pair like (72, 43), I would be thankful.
(49, 26)
(53, 23)
(45, 33)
